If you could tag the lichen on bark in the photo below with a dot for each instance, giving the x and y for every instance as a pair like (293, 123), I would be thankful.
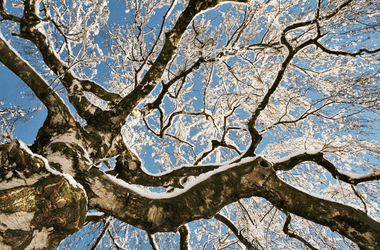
(42, 214)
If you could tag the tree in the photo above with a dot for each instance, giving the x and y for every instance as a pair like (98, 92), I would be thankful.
(259, 114)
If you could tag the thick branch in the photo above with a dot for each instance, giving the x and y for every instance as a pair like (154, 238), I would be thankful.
(348, 221)
(38, 208)
(73, 85)
(128, 168)
(167, 212)
(57, 109)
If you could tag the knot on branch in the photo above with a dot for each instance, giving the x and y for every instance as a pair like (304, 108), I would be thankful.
(260, 171)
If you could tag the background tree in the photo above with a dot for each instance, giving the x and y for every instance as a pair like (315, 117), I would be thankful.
(259, 114)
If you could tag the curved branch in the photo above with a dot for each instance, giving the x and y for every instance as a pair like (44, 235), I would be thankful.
(155, 212)
(164, 212)
(344, 53)
(55, 105)
(128, 168)
(290, 162)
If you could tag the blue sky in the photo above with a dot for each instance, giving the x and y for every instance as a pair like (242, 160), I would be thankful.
(11, 86)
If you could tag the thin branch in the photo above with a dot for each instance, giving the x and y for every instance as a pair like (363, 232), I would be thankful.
(361, 198)
(154, 74)
(165, 87)
(153, 244)
(344, 53)
(158, 38)
(293, 235)
(318, 158)
(184, 237)
(246, 212)
(104, 231)
(236, 231)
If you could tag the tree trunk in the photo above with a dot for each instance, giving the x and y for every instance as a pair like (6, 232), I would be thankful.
(38, 208)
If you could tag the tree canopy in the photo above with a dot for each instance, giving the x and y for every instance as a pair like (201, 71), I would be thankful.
(181, 124)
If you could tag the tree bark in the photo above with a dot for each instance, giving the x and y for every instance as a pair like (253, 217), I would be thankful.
(38, 208)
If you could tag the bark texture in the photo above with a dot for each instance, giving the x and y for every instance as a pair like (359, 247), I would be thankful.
(38, 209)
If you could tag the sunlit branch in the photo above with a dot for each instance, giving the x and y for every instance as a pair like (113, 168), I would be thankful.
(236, 231)
(269, 224)
(152, 243)
(129, 169)
(115, 243)
(291, 234)
(57, 26)
(99, 91)
(318, 158)
(104, 231)
(95, 218)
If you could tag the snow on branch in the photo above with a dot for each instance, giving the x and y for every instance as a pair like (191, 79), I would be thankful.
(290, 162)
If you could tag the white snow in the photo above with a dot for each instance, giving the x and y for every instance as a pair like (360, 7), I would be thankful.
(288, 157)
(356, 176)
(324, 197)
(94, 214)
(68, 177)
(146, 171)
(176, 192)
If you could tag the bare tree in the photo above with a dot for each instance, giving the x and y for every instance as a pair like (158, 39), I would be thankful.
(256, 120)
